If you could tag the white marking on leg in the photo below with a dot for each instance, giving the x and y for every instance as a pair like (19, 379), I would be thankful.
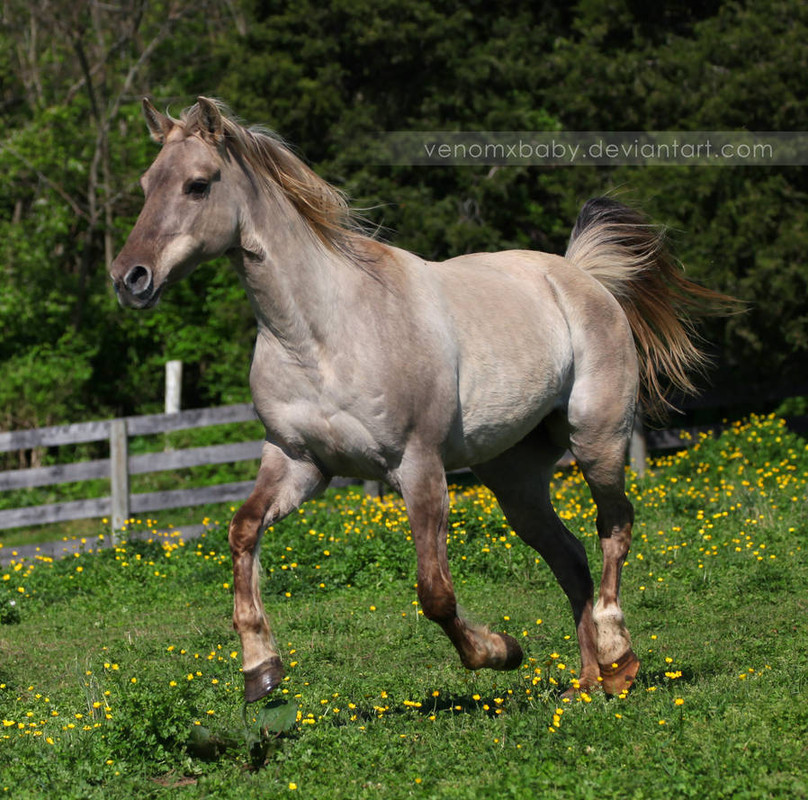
(613, 637)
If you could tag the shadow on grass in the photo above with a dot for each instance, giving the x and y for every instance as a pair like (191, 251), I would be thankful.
(266, 726)
(259, 736)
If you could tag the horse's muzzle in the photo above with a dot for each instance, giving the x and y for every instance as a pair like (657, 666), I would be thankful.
(136, 289)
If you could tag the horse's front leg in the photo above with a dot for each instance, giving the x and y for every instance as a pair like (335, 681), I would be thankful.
(425, 494)
(281, 486)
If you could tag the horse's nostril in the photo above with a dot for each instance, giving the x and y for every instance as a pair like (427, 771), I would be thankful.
(138, 280)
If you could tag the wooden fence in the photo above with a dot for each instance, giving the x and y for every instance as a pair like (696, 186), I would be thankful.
(120, 505)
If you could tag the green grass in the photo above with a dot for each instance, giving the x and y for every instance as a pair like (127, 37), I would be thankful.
(137, 641)
(90, 529)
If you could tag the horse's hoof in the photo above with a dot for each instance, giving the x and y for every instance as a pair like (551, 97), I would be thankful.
(619, 675)
(513, 653)
(586, 683)
(261, 680)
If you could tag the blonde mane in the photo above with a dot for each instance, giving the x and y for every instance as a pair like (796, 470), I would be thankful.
(324, 207)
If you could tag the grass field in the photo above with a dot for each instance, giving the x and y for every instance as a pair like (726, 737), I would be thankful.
(120, 674)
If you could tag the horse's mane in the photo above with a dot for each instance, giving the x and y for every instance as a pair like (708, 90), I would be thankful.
(324, 207)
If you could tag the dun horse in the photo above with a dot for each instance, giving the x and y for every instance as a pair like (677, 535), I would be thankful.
(373, 363)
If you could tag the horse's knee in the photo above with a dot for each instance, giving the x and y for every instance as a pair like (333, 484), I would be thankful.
(244, 529)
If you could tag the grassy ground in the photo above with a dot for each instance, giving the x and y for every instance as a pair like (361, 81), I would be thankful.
(120, 675)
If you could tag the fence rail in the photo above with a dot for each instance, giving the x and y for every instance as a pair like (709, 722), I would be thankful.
(121, 504)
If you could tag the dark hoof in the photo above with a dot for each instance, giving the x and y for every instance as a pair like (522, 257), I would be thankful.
(619, 676)
(513, 652)
(261, 680)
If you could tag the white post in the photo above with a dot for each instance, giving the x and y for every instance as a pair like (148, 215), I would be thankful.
(173, 395)
(173, 386)
(119, 475)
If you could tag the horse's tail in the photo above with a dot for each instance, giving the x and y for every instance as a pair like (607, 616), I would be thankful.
(620, 248)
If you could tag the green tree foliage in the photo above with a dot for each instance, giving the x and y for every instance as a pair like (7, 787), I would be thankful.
(328, 77)
(725, 66)
(72, 151)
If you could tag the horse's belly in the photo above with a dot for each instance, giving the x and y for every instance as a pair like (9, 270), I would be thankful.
(515, 359)
(491, 424)
(506, 390)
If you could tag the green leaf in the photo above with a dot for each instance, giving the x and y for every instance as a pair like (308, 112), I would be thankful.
(277, 717)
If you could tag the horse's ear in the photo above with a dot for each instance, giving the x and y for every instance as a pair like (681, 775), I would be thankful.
(211, 124)
(159, 124)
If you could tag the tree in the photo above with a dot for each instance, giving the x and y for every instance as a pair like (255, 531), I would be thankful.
(328, 77)
(738, 229)
(70, 157)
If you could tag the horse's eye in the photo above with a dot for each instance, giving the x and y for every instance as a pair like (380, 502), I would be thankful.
(197, 188)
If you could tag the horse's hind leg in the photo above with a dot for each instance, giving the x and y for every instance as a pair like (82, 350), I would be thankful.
(599, 442)
(520, 480)
(423, 485)
(281, 486)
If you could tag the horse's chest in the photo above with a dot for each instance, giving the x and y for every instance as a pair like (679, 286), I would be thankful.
(341, 426)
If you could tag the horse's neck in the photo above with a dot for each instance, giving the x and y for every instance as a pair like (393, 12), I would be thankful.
(294, 283)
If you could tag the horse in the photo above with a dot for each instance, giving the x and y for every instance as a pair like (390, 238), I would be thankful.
(373, 363)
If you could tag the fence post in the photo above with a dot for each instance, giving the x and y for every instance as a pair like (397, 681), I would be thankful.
(173, 386)
(373, 488)
(173, 396)
(637, 448)
(119, 474)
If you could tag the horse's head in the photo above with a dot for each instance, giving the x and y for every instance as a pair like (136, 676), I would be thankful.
(189, 215)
